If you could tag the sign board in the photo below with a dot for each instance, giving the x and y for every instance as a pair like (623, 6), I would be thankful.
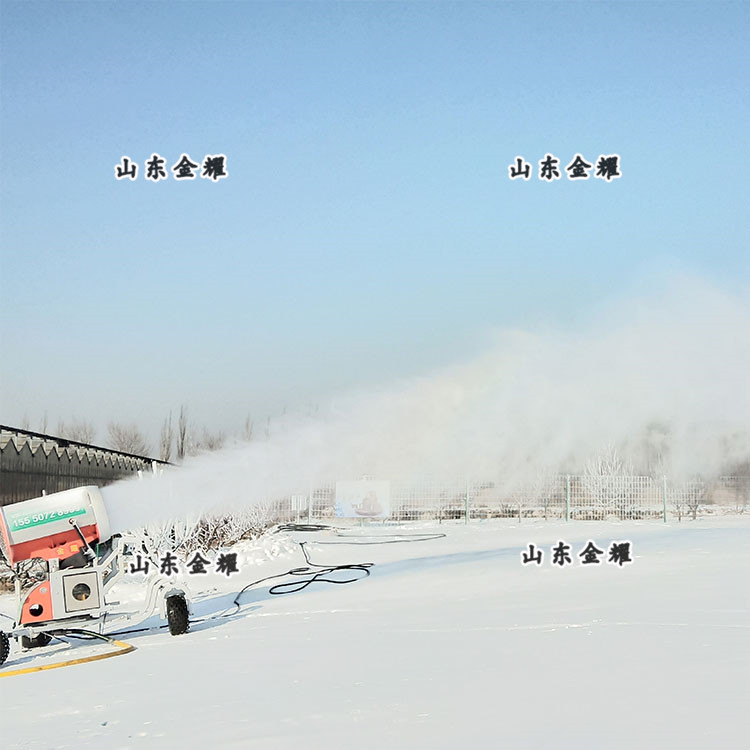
(365, 498)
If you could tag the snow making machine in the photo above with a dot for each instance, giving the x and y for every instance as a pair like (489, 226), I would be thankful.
(70, 532)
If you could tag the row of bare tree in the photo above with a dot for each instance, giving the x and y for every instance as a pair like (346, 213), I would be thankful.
(177, 439)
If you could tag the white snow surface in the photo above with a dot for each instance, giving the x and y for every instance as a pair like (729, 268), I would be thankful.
(450, 643)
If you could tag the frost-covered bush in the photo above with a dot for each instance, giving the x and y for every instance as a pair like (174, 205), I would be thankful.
(207, 532)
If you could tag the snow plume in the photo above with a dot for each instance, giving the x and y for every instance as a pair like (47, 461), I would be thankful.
(664, 379)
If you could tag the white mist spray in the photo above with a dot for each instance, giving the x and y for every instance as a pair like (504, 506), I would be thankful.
(677, 366)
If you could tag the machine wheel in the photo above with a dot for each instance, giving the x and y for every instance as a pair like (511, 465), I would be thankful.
(37, 641)
(4, 647)
(177, 615)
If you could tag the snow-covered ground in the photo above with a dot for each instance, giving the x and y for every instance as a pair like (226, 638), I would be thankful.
(450, 643)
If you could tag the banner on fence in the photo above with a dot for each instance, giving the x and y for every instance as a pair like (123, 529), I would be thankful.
(365, 498)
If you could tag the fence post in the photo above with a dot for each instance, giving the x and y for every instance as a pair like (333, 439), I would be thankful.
(664, 497)
(466, 504)
(567, 497)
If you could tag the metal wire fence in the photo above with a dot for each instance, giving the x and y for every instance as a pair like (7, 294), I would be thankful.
(562, 497)
(591, 497)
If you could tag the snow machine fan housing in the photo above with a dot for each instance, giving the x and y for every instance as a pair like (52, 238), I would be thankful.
(54, 527)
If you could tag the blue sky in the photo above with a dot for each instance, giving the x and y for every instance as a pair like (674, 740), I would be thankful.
(368, 229)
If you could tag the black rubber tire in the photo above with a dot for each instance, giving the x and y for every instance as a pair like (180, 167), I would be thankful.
(37, 641)
(4, 647)
(177, 615)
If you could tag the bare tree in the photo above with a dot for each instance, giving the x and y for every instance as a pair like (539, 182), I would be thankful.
(696, 494)
(248, 428)
(79, 430)
(214, 441)
(208, 441)
(655, 450)
(609, 482)
(165, 439)
(743, 493)
(737, 481)
(543, 489)
(688, 497)
(25, 425)
(43, 424)
(181, 433)
(128, 439)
